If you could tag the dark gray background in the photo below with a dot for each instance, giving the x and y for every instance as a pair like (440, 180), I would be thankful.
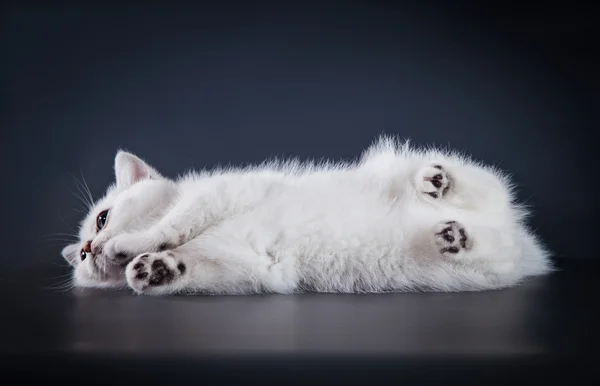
(194, 86)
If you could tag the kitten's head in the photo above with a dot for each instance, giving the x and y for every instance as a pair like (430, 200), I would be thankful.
(134, 201)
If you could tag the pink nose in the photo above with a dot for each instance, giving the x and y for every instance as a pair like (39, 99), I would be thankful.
(87, 247)
(96, 248)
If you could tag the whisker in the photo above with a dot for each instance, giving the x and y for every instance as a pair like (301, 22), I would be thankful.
(62, 239)
(62, 282)
(63, 276)
(57, 242)
(89, 203)
(85, 195)
(67, 237)
(69, 228)
(64, 234)
(58, 246)
(63, 285)
(83, 201)
(87, 188)
(63, 264)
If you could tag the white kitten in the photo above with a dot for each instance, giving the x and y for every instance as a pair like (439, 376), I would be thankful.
(397, 219)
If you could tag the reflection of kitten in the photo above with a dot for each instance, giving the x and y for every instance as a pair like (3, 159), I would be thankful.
(397, 219)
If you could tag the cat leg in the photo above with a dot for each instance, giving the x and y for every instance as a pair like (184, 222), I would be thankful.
(212, 264)
(465, 186)
(123, 248)
(192, 214)
(491, 248)
(181, 224)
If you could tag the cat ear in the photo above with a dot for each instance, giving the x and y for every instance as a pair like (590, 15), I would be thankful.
(130, 169)
(71, 253)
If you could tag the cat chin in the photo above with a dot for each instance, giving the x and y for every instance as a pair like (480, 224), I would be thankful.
(86, 277)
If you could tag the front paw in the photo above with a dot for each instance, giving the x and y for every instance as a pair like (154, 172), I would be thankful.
(122, 249)
(149, 272)
(433, 180)
(451, 239)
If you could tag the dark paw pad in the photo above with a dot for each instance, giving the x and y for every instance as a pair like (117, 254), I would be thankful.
(435, 181)
(154, 270)
(161, 274)
(140, 270)
(451, 237)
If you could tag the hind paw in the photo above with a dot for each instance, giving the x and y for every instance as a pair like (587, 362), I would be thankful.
(433, 181)
(451, 238)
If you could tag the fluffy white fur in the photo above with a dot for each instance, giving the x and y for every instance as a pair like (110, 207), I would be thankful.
(396, 219)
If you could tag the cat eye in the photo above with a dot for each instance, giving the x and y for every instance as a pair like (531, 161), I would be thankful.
(101, 220)
(83, 255)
